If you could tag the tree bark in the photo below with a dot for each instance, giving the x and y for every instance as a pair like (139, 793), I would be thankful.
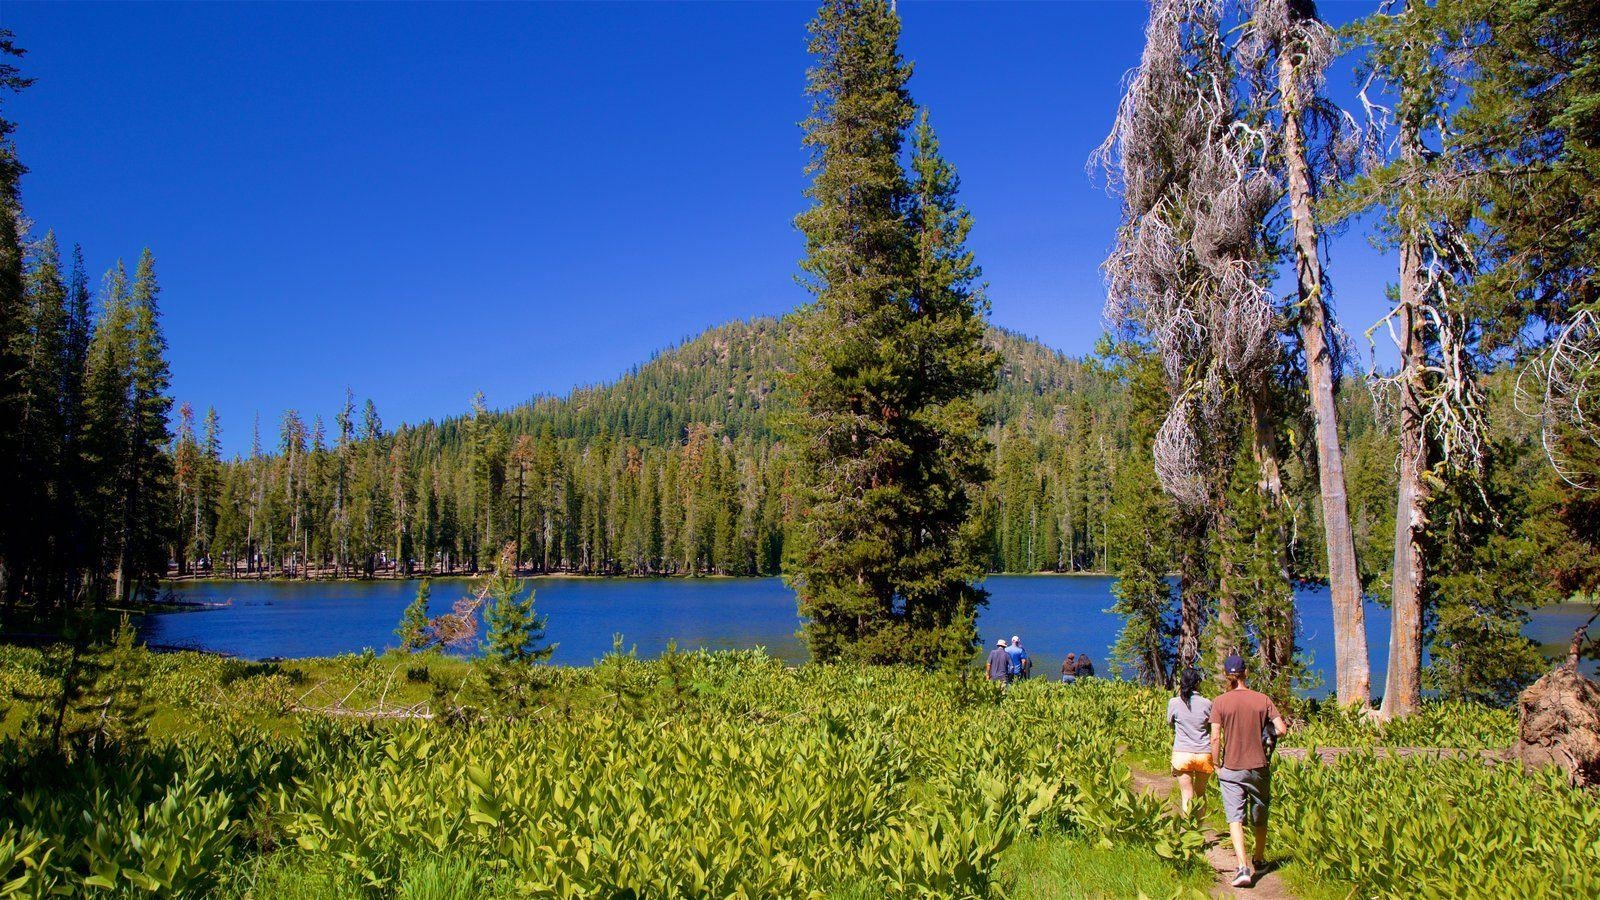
(1191, 588)
(1351, 663)
(1403, 690)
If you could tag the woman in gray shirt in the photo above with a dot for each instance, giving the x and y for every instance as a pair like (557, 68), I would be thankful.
(1189, 714)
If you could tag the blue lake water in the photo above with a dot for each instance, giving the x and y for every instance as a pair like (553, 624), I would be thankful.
(1054, 614)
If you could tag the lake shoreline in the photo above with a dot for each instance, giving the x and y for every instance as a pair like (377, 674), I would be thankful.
(172, 580)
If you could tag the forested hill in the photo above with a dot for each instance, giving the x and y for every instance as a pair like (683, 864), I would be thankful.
(673, 468)
(729, 377)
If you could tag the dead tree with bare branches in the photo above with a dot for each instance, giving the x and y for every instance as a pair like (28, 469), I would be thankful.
(1416, 178)
(1188, 274)
(1292, 47)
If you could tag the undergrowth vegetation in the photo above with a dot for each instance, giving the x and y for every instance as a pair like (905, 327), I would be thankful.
(1439, 828)
(696, 774)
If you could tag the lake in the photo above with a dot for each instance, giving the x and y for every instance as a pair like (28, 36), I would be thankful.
(1054, 614)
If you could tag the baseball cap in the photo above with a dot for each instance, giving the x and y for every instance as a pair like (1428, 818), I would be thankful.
(1233, 665)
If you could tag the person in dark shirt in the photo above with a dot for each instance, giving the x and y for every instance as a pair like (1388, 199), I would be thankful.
(999, 661)
(1085, 666)
(1069, 669)
(1238, 718)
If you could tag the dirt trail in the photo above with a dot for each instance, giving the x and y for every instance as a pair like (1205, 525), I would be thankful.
(1219, 849)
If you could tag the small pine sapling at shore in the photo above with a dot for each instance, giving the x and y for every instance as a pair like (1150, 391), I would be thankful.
(98, 701)
(414, 632)
(624, 679)
(515, 630)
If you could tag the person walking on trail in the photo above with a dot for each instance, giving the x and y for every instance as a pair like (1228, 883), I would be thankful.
(999, 661)
(1189, 714)
(1069, 669)
(1019, 661)
(1239, 720)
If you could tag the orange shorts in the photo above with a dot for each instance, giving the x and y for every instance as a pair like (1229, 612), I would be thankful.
(1191, 763)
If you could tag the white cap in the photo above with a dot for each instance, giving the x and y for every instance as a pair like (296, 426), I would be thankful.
(1015, 639)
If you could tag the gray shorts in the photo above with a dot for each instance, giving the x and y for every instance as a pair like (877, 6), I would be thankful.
(1245, 790)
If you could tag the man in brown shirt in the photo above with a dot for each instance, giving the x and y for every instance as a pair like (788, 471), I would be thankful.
(1238, 718)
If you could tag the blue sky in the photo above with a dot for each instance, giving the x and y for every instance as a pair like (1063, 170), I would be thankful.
(423, 201)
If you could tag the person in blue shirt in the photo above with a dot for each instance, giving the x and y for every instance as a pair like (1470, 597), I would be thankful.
(1019, 662)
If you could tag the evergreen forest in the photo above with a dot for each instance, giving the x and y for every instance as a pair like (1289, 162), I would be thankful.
(883, 447)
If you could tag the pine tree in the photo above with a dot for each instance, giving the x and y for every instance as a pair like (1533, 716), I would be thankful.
(951, 311)
(341, 488)
(208, 488)
(292, 451)
(1492, 568)
(1141, 527)
(186, 464)
(107, 426)
(13, 334)
(1142, 595)
(401, 499)
(150, 486)
(1187, 276)
(483, 480)
(888, 365)
(514, 630)
(374, 494)
(39, 553)
(413, 630)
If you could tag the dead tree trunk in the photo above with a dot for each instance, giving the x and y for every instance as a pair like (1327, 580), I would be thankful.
(1351, 664)
(1402, 693)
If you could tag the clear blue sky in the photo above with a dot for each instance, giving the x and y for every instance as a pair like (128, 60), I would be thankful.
(423, 201)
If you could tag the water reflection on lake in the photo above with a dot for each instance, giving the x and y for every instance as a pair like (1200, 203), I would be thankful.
(1054, 614)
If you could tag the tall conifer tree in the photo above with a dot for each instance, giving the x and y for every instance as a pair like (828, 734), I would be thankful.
(42, 496)
(150, 487)
(107, 420)
(887, 363)
(13, 312)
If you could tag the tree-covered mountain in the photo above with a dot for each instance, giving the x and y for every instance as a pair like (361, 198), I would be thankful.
(676, 467)
(731, 377)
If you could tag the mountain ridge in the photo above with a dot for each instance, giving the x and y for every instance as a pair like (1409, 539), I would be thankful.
(728, 376)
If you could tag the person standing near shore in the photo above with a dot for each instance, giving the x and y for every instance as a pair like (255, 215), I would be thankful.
(999, 661)
(1069, 669)
(1019, 659)
(1239, 717)
(1189, 714)
(1085, 666)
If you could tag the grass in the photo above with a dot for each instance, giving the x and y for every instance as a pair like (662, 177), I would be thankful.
(1064, 868)
(943, 730)
(1305, 886)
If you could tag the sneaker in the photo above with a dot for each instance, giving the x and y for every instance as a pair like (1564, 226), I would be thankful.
(1243, 877)
(1258, 865)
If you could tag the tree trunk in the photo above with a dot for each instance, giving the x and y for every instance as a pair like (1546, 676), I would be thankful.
(1351, 664)
(1191, 588)
(1403, 691)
